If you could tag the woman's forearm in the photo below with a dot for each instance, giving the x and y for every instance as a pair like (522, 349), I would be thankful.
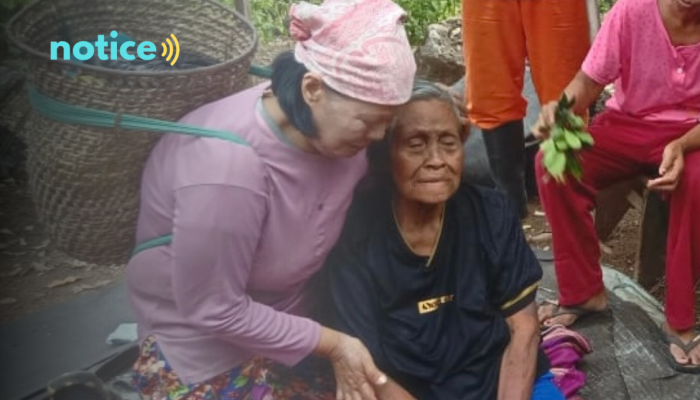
(691, 140)
(584, 90)
(327, 343)
(519, 363)
(518, 367)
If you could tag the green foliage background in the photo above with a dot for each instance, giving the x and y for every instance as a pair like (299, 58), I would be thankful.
(270, 16)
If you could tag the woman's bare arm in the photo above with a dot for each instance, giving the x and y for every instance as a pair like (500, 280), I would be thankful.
(519, 363)
(582, 89)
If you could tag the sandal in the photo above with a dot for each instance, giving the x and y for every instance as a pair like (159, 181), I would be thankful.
(577, 311)
(670, 339)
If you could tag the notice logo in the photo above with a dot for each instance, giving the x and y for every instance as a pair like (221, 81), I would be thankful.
(85, 50)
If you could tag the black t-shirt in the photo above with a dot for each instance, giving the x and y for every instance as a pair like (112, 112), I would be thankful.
(436, 326)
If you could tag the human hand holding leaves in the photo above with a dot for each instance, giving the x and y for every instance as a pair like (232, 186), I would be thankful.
(567, 138)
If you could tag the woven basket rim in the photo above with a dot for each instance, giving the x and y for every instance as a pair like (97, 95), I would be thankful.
(28, 49)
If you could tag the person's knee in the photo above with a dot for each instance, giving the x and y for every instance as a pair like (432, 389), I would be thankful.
(539, 167)
(690, 179)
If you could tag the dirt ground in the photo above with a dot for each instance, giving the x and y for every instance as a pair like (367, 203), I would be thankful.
(34, 274)
(619, 251)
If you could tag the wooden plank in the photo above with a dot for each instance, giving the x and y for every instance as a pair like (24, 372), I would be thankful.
(650, 264)
(612, 204)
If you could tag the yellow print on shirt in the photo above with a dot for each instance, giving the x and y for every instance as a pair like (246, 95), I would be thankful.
(430, 305)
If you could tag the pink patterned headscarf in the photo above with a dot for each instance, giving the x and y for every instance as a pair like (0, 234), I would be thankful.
(359, 47)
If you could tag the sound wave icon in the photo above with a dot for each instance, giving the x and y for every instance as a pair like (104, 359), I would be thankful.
(171, 50)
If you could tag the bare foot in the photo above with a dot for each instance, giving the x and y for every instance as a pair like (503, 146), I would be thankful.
(689, 337)
(552, 313)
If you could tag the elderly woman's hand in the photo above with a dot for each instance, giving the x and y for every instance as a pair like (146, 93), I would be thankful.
(355, 372)
(356, 375)
(545, 121)
(670, 170)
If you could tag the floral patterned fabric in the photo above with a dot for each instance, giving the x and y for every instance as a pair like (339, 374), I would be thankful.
(257, 379)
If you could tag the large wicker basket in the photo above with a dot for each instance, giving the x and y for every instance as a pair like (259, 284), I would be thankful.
(85, 180)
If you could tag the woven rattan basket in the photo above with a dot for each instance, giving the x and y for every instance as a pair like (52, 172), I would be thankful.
(85, 180)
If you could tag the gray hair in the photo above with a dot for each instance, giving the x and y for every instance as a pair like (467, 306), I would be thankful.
(378, 154)
(426, 90)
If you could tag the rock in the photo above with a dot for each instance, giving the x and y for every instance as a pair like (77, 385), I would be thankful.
(61, 282)
(441, 58)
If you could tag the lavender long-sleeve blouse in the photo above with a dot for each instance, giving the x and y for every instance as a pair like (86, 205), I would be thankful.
(251, 225)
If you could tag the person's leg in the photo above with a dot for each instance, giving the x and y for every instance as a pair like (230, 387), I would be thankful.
(494, 51)
(683, 261)
(545, 389)
(505, 146)
(557, 40)
(617, 154)
(683, 246)
(494, 54)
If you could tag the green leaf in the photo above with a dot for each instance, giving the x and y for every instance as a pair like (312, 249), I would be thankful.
(572, 140)
(547, 146)
(557, 131)
(563, 102)
(561, 143)
(575, 121)
(557, 164)
(574, 167)
(548, 158)
(586, 138)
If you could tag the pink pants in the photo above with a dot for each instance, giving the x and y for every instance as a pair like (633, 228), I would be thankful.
(625, 147)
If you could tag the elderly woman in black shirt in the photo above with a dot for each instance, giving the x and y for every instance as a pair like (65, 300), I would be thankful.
(434, 275)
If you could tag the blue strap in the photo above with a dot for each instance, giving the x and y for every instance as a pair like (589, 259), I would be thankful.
(155, 242)
(64, 112)
(260, 71)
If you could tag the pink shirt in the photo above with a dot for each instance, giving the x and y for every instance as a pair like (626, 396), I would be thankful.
(251, 225)
(654, 80)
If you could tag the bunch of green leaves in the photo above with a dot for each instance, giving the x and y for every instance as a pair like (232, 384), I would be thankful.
(561, 151)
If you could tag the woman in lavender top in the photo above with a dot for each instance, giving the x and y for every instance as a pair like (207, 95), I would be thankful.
(238, 229)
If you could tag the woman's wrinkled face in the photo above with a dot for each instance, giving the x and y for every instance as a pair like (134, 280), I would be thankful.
(426, 151)
(344, 126)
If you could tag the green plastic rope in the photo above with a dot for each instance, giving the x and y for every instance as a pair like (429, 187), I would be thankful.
(64, 112)
(260, 71)
(149, 244)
